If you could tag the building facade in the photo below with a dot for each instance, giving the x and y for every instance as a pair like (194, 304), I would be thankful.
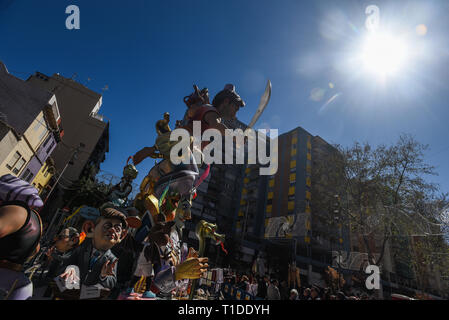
(30, 127)
(276, 217)
(84, 125)
(86, 134)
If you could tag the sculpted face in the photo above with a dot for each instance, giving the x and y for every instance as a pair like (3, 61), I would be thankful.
(233, 109)
(108, 233)
(208, 230)
(183, 211)
(228, 109)
(64, 243)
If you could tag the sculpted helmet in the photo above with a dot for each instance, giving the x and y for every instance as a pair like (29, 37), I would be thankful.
(230, 93)
(130, 172)
(198, 97)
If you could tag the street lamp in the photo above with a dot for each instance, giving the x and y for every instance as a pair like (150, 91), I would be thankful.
(70, 162)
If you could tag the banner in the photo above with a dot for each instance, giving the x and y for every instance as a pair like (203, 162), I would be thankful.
(286, 226)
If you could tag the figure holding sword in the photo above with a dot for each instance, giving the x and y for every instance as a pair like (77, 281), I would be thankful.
(224, 106)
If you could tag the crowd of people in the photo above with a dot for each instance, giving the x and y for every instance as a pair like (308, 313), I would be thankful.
(271, 288)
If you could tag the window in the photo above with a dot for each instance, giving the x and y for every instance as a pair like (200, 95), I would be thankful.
(308, 195)
(308, 225)
(27, 176)
(308, 210)
(271, 183)
(19, 165)
(13, 160)
(291, 205)
(291, 190)
(308, 182)
(293, 164)
(269, 208)
(49, 148)
(43, 133)
(293, 177)
(37, 125)
(293, 152)
(47, 140)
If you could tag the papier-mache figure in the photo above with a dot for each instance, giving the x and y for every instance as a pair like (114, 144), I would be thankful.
(168, 184)
(97, 264)
(180, 264)
(63, 246)
(119, 193)
(181, 178)
(150, 258)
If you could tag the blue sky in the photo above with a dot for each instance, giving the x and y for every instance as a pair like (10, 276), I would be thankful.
(151, 52)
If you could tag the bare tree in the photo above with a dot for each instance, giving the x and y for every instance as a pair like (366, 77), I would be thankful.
(381, 190)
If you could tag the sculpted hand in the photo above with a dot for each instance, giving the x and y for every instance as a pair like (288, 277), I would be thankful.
(70, 277)
(108, 268)
(49, 253)
(192, 253)
(192, 268)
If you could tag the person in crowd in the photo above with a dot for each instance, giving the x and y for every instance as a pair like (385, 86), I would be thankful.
(314, 294)
(293, 295)
(20, 234)
(273, 291)
(341, 296)
(263, 287)
(243, 283)
(253, 287)
(306, 294)
(327, 293)
(364, 297)
(284, 290)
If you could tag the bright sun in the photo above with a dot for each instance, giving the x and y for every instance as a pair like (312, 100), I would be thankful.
(383, 55)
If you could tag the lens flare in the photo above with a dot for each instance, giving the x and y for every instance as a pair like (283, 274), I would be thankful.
(421, 30)
(383, 54)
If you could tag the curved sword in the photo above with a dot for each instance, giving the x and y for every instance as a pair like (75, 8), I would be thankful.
(262, 105)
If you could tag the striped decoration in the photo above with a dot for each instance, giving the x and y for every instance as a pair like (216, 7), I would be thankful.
(15, 189)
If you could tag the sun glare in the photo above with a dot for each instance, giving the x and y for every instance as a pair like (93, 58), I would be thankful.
(383, 55)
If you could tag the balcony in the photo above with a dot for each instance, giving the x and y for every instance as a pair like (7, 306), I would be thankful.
(98, 117)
